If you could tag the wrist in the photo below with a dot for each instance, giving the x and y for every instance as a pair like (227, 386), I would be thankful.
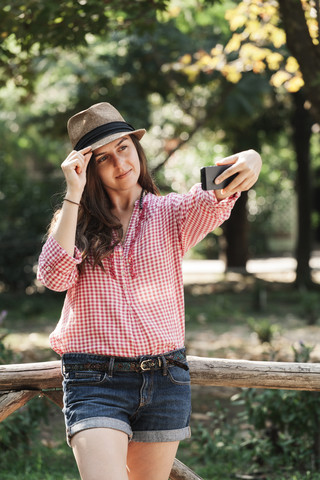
(71, 201)
(73, 196)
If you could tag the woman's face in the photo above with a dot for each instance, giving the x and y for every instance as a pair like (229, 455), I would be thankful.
(118, 164)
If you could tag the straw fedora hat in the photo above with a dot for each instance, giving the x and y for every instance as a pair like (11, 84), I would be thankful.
(98, 125)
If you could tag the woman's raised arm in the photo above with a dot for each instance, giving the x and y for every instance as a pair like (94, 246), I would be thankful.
(74, 168)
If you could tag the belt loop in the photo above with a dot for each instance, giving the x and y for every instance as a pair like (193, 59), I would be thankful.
(111, 365)
(164, 365)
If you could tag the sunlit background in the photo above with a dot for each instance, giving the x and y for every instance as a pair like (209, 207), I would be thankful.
(206, 79)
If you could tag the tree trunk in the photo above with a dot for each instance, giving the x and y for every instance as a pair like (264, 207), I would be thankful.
(301, 123)
(303, 49)
(316, 204)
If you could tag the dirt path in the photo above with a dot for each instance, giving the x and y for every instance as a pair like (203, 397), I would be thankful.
(241, 343)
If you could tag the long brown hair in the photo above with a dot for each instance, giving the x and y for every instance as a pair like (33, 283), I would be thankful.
(98, 230)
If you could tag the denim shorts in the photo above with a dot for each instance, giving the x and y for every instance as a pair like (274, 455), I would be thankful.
(149, 406)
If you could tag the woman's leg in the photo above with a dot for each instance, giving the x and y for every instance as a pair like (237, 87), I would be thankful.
(152, 461)
(101, 454)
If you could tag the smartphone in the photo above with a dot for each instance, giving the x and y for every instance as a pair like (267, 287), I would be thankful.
(209, 174)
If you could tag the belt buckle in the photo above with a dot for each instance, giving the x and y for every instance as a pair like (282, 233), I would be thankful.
(150, 363)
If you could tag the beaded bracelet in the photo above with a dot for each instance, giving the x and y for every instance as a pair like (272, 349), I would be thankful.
(70, 201)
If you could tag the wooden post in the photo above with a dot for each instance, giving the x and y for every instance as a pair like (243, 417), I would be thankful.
(11, 401)
(203, 371)
(250, 374)
(181, 472)
(30, 376)
(56, 396)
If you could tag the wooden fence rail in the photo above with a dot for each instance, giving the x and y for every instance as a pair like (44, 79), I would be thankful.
(21, 382)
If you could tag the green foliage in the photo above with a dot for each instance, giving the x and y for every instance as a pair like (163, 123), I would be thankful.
(275, 435)
(215, 446)
(25, 207)
(302, 354)
(285, 424)
(264, 329)
(281, 442)
(6, 354)
(285, 427)
(309, 306)
(30, 27)
(44, 464)
(17, 430)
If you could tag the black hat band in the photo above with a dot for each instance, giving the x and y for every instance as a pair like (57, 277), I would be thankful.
(102, 131)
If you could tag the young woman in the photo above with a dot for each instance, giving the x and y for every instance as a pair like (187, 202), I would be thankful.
(116, 246)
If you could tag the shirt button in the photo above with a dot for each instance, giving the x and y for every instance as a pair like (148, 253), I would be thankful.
(48, 269)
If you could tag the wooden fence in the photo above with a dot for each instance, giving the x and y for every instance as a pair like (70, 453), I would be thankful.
(19, 383)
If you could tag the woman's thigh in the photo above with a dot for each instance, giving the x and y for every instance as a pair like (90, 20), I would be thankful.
(101, 454)
(152, 461)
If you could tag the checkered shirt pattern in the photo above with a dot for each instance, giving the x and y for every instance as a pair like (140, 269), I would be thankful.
(114, 312)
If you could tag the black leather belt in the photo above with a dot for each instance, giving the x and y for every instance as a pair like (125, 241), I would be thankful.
(131, 365)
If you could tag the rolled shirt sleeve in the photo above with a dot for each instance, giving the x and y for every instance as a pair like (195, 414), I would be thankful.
(57, 270)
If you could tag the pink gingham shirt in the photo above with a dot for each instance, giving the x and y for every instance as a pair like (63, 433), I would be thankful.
(136, 306)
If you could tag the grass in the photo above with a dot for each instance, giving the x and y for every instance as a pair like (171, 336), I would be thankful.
(233, 304)
(40, 463)
(215, 451)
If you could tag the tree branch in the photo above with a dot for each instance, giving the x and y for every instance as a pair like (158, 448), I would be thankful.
(199, 124)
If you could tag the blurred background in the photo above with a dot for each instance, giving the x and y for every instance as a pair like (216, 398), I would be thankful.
(206, 79)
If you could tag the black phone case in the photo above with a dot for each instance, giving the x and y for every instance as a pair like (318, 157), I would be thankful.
(209, 174)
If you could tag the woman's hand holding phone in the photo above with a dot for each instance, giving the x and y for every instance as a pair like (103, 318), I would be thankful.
(240, 173)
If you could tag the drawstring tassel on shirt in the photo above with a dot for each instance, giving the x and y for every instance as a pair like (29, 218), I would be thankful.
(111, 265)
(131, 259)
